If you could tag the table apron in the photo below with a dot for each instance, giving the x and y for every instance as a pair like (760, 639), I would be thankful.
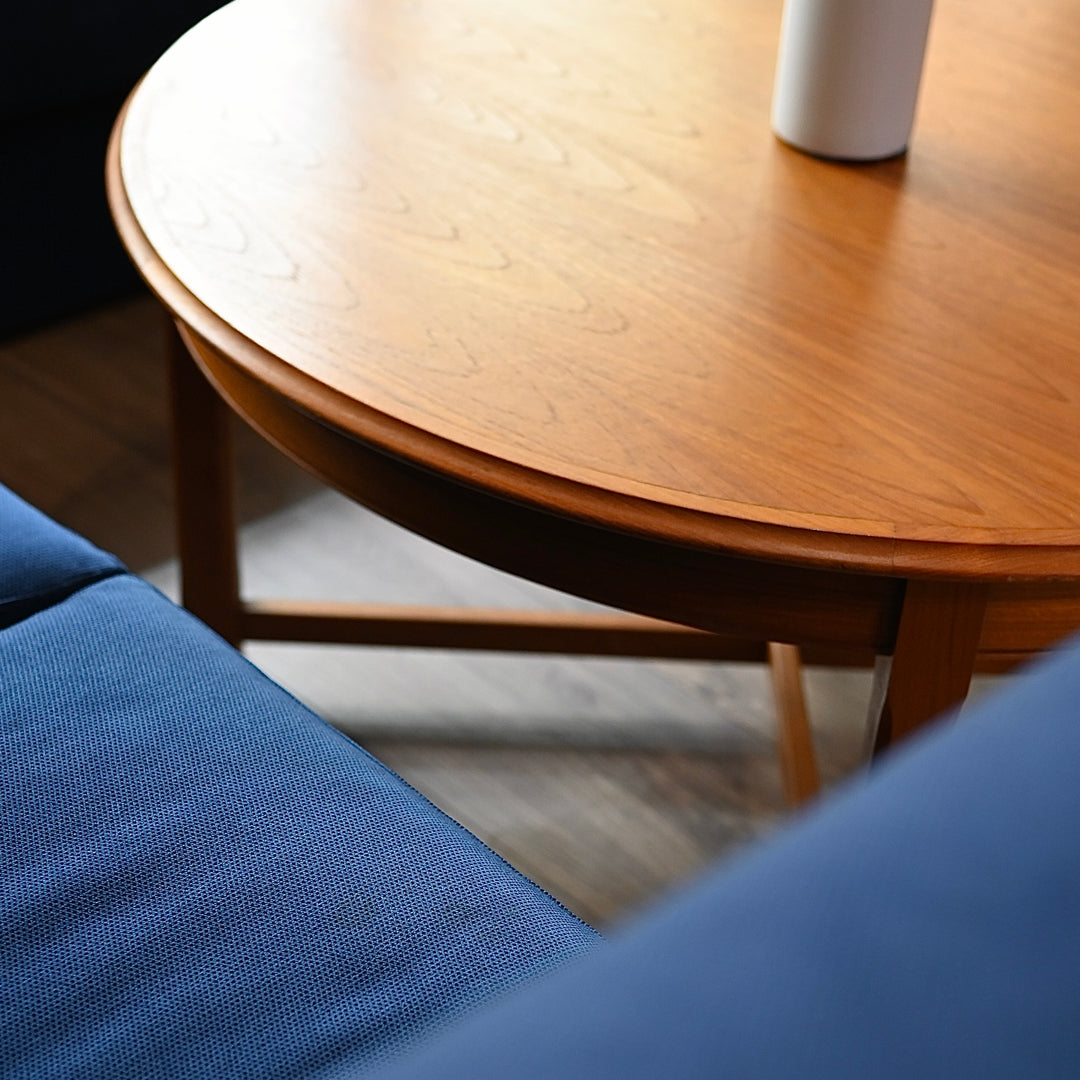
(840, 617)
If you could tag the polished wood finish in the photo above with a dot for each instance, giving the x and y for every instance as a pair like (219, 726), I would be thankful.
(935, 652)
(537, 282)
(558, 255)
(494, 629)
(203, 480)
(798, 764)
(708, 590)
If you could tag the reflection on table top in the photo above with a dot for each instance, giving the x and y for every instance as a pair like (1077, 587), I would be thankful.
(555, 250)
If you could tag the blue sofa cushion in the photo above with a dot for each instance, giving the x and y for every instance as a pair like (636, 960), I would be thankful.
(925, 923)
(201, 878)
(42, 562)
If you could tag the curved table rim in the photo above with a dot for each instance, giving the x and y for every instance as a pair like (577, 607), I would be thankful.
(577, 500)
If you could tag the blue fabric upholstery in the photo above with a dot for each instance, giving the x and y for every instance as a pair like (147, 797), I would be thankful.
(925, 923)
(41, 562)
(198, 877)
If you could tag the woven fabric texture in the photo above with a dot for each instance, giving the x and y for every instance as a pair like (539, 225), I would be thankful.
(200, 878)
(41, 562)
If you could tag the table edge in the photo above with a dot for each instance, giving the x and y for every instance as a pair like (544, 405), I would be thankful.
(966, 555)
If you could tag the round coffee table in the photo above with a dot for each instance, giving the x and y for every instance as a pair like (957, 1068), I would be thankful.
(536, 281)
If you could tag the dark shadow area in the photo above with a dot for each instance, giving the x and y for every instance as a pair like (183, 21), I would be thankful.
(67, 68)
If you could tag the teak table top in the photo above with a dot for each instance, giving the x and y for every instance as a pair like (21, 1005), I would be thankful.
(553, 249)
(537, 281)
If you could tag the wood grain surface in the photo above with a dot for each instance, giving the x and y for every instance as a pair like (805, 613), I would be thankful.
(554, 250)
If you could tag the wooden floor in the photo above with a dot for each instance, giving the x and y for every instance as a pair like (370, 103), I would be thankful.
(604, 780)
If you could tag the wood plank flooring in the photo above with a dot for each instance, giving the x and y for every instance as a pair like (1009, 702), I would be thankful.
(604, 780)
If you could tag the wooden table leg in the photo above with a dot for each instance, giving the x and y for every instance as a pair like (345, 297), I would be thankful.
(204, 485)
(930, 669)
(798, 765)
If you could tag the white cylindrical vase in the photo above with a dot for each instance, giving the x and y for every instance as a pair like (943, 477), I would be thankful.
(847, 76)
